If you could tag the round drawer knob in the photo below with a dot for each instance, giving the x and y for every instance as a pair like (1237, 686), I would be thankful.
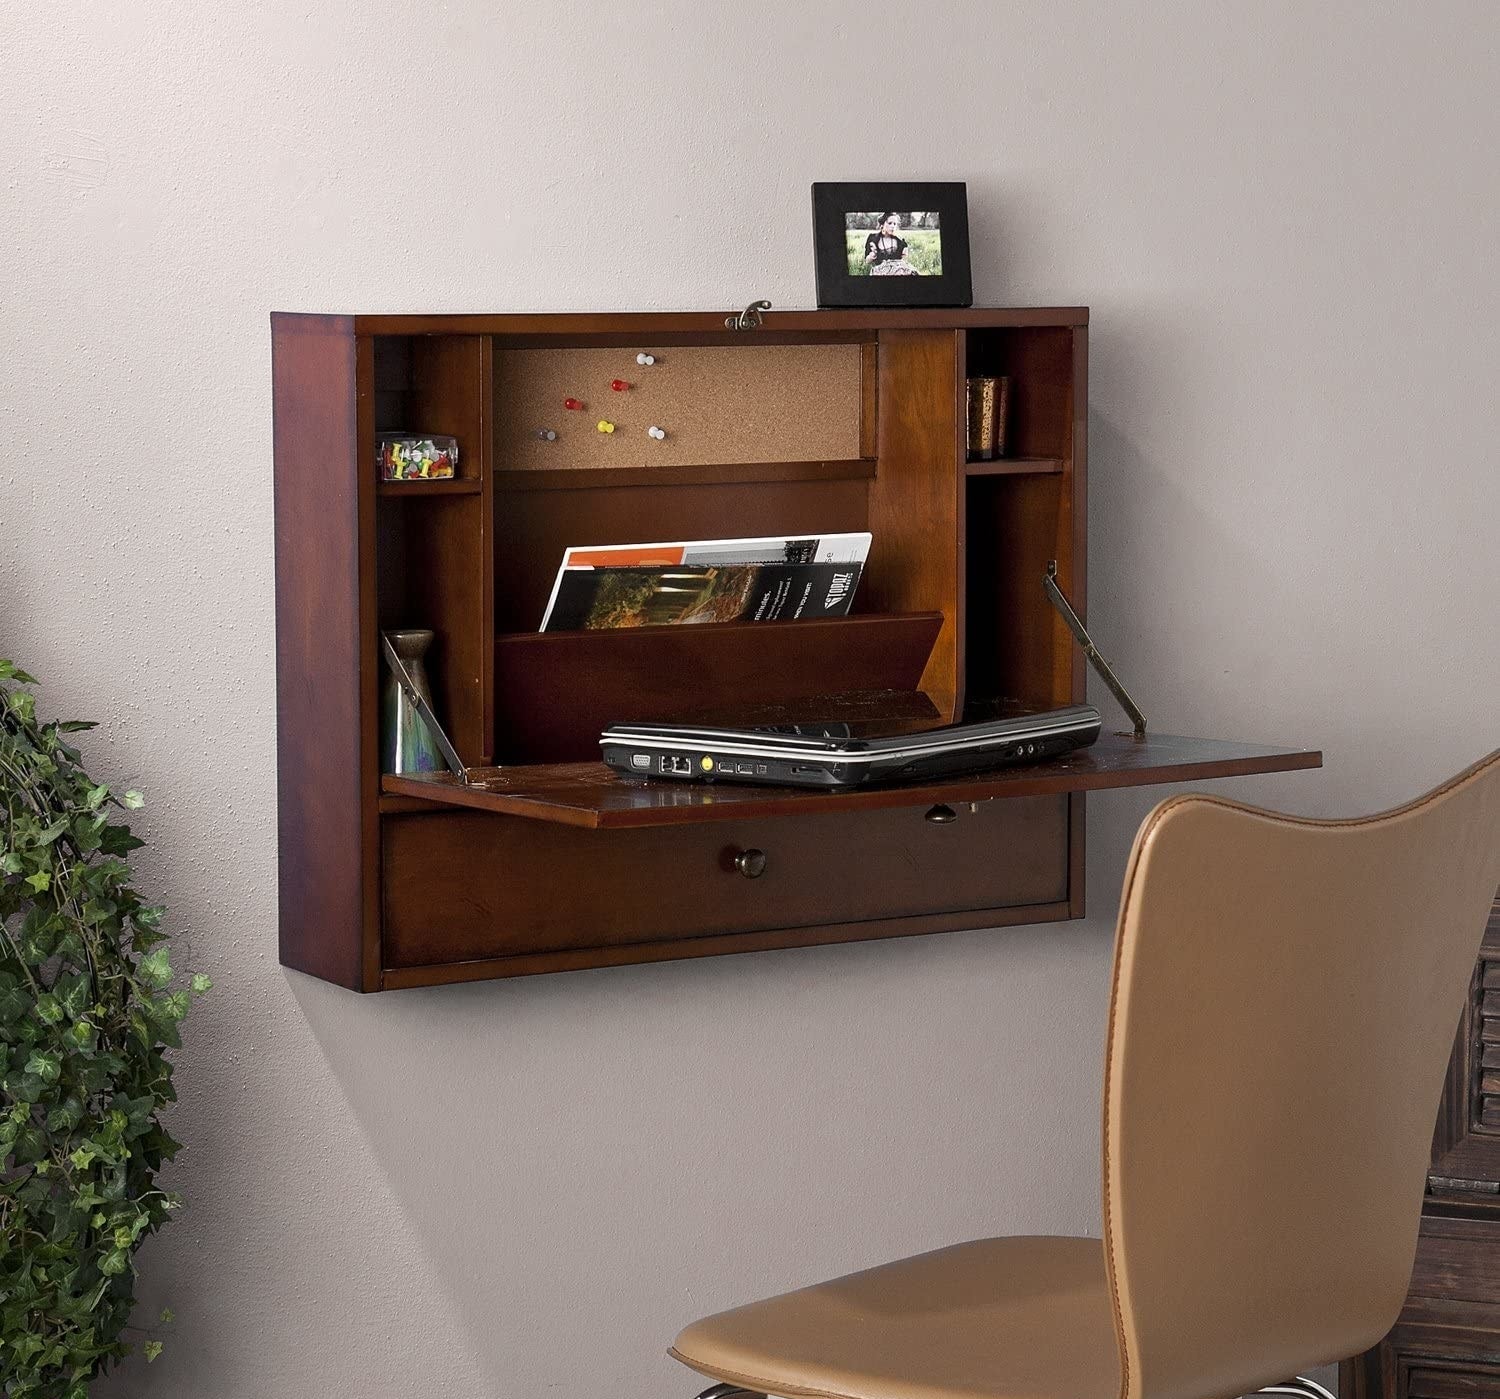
(941, 815)
(751, 863)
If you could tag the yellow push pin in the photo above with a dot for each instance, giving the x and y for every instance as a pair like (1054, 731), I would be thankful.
(605, 425)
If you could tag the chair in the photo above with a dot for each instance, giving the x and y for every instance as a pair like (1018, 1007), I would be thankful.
(1284, 1002)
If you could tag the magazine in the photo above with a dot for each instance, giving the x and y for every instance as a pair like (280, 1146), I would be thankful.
(715, 580)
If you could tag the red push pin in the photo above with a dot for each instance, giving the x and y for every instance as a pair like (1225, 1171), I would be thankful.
(618, 385)
(573, 405)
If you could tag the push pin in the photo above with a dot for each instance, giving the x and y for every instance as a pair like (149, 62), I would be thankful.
(546, 434)
(605, 425)
(644, 358)
(656, 432)
(618, 385)
(573, 405)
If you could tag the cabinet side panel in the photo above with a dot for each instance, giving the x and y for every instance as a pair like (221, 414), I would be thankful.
(915, 497)
(320, 802)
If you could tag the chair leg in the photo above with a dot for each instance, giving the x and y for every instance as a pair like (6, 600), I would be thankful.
(1301, 1386)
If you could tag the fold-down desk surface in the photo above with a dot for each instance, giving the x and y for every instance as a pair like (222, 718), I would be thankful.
(591, 795)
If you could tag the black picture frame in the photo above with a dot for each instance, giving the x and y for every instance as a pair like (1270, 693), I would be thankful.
(837, 286)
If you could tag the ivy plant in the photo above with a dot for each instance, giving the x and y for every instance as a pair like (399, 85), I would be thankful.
(88, 1010)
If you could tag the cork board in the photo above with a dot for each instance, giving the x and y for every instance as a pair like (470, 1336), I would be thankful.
(718, 404)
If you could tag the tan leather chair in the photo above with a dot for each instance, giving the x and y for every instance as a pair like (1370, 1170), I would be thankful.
(1284, 1003)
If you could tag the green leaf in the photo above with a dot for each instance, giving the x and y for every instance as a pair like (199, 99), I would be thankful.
(41, 881)
(117, 840)
(201, 984)
(46, 1067)
(151, 1350)
(72, 992)
(167, 1316)
(30, 1145)
(83, 1035)
(155, 967)
(67, 1115)
(14, 1001)
(134, 800)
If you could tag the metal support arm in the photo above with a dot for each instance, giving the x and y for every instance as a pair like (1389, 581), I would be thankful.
(1059, 600)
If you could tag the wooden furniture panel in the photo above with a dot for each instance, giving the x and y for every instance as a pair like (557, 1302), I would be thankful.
(915, 498)
(720, 405)
(814, 422)
(1466, 1146)
(556, 691)
(325, 781)
(1447, 1340)
(451, 894)
(1436, 1381)
(534, 526)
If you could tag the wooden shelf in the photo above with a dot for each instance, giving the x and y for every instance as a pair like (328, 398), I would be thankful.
(587, 478)
(591, 795)
(1015, 466)
(452, 485)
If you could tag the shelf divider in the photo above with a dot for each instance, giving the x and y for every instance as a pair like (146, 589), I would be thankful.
(451, 485)
(585, 478)
(1015, 466)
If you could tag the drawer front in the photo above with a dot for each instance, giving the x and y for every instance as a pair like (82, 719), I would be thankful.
(464, 886)
(1434, 1380)
(1458, 1260)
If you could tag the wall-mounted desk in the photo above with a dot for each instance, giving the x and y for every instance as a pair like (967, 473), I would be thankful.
(818, 421)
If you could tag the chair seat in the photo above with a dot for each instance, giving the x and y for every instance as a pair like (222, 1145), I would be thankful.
(1022, 1318)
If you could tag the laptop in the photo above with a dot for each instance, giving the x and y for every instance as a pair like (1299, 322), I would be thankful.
(843, 754)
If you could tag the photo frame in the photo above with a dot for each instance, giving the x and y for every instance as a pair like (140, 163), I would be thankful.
(880, 258)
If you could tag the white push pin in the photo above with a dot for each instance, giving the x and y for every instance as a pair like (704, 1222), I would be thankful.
(656, 432)
(644, 358)
(546, 434)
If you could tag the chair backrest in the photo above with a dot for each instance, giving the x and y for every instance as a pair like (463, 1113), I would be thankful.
(1285, 998)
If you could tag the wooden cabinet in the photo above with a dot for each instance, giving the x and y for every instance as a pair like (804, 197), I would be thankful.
(1447, 1341)
(815, 421)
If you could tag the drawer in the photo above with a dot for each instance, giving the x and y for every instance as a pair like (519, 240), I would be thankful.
(472, 886)
(1434, 1380)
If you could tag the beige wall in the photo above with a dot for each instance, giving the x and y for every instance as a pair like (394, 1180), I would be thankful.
(1285, 219)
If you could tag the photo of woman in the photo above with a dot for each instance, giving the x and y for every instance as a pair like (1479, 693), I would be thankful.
(885, 250)
(894, 245)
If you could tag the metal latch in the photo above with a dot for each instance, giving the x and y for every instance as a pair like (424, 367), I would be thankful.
(749, 318)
